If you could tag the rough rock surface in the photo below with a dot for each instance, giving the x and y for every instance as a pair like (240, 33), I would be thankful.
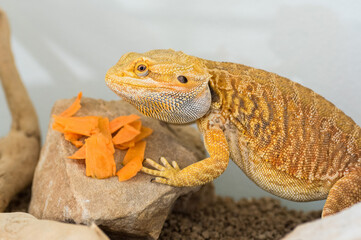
(23, 226)
(137, 207)
(345, 225)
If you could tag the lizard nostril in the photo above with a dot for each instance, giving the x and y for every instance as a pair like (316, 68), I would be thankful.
(120, 74)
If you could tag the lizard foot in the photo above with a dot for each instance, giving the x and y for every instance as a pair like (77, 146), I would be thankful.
(166, 174)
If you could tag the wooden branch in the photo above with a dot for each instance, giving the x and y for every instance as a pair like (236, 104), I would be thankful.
(19, 150)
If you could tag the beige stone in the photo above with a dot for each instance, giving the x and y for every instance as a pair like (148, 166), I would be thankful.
(23, 226)
(345, 225)
(62, 192)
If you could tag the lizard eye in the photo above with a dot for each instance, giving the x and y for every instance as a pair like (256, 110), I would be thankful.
(141, 70)
(182, 79)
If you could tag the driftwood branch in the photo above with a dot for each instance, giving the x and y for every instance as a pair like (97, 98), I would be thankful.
(19, 150)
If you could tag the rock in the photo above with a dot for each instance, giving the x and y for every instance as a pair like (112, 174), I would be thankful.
(194, 201)
(137, 207)
(345, 225)
(23, 226)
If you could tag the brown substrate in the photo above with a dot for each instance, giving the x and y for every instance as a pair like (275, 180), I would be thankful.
(225, 218)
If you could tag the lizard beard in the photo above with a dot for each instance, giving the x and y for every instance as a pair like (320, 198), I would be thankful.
(169, 107)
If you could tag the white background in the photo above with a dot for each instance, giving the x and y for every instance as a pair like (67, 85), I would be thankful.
(63, 47)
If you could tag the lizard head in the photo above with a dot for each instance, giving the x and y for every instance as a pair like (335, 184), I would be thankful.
(164, 84)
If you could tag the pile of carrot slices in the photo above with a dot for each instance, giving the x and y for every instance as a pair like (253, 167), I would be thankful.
(97, 137)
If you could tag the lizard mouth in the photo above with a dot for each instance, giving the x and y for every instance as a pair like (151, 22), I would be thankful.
(119, 84)
(113, 81)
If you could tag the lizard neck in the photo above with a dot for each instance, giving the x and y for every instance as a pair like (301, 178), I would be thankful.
(227, 84)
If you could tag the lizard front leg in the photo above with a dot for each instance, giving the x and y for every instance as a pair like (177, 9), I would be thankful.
(344, 193)
(197, 173)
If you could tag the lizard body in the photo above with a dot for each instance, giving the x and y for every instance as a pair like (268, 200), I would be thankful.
(286, 138)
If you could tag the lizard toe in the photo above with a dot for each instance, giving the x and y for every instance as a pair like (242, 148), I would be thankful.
(160, 180)
(164, 174)
(154, 164)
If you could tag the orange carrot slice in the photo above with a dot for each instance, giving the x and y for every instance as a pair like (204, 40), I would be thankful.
(121, 121)
(79, 125)
(104, 129)
(121, 147)
(126, 134)
(129, 170)
(73, 138)
(136, 124)
(80, 154)
(133, 162)
(74, 107)
(144, 132)
(135, 153)
(99, 159)
(58, 127)
(100, 155)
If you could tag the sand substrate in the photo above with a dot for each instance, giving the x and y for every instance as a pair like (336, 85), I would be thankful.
(223, 218)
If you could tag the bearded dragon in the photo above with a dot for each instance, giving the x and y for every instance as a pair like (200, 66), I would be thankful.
(289, 140)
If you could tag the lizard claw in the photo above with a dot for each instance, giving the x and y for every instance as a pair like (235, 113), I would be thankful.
(164, 174)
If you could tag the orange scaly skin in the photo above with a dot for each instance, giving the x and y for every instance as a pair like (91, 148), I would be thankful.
(289, 140)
